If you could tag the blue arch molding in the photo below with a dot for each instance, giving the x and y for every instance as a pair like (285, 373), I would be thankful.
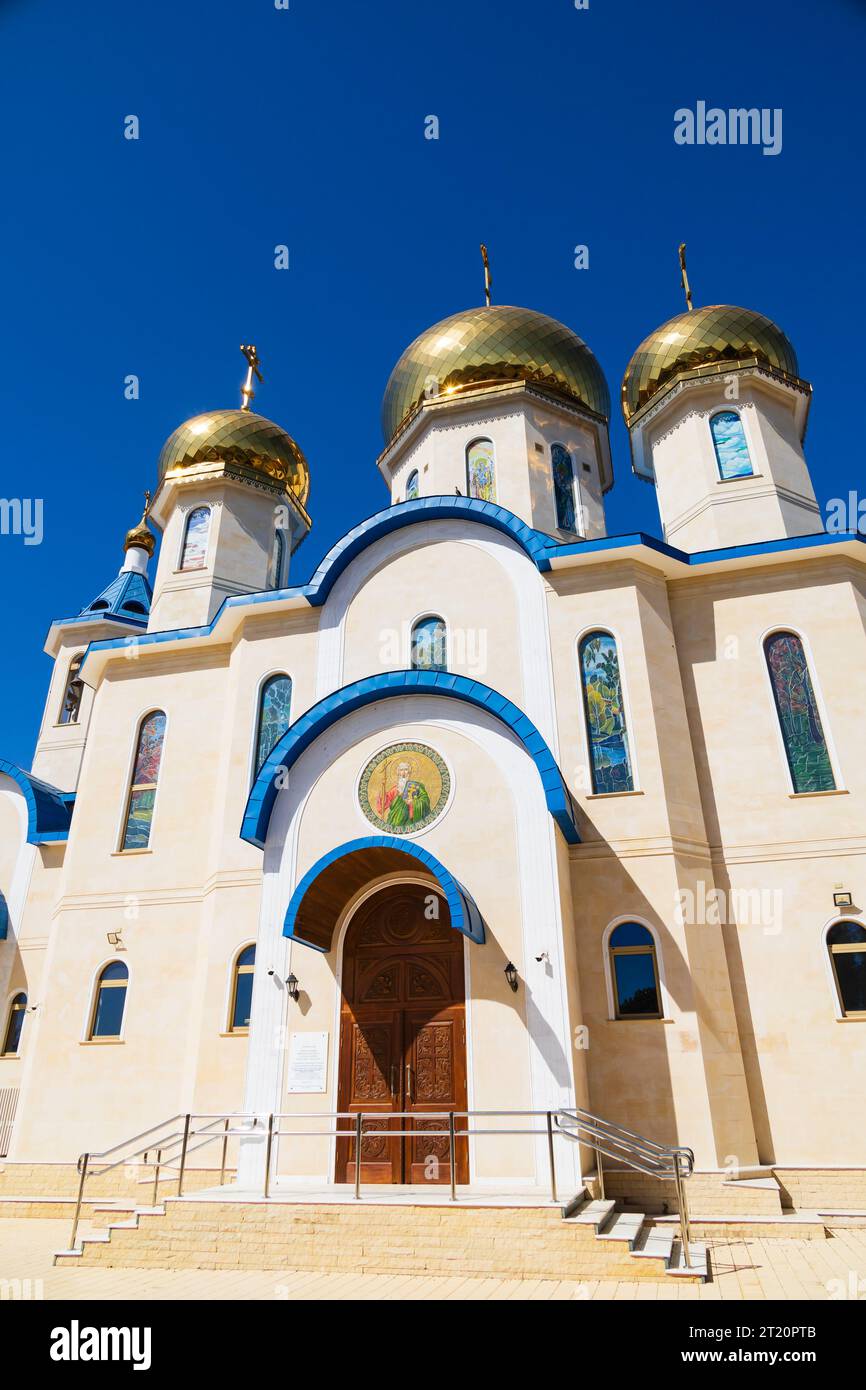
(49, 811)
(307, 729)
(465, 916)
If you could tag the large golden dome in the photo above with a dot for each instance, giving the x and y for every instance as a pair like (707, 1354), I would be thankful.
(718, 336)
(241, 438)
(487, 346)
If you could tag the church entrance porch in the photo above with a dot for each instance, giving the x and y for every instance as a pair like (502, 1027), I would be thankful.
(402, 1038)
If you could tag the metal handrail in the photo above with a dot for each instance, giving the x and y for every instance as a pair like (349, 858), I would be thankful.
(579, 1126)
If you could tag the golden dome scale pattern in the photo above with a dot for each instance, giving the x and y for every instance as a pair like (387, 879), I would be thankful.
(484, 346)
(717, 334)
(241, 438)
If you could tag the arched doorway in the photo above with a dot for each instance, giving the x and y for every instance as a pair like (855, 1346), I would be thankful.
(403, 1036)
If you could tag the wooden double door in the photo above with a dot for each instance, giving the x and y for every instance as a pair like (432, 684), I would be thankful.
(403, 1038)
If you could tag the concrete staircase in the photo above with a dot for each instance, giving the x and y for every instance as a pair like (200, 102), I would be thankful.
(586, 1240)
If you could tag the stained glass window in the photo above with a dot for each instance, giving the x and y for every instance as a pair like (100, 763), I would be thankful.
(847, 944)
(429, 645)
(481, 470)
(4, 918)
(274, 715)
(110, 1001)
(142, 791)
(195, 539)
(412, 485)
(278, 559)
(802, 733)
(72, 692)
(14, 1025)
(242, 995)
(605, 714)
(634, 972)
(729, 441)
(563, 488)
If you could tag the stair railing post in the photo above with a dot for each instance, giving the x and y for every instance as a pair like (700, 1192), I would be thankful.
(359, 1125)
(268, 1148)
(225, 1150)
(683, 1206)
(156, 1168)
(452, 1155)
(600, 1170)
(85, 1159)
(551, 1156)
(183, 1149)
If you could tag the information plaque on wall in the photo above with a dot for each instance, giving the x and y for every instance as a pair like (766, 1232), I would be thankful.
(308, 1063)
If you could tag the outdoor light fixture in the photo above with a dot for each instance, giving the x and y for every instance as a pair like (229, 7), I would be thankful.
(511, 975)
(114, 939)
(843, 900)
(292, 987)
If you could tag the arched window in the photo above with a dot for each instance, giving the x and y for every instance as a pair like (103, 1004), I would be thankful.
(4, 917)
(14, 1024)
(412, 485)
(846, 942)
(634, 972)
(564, 488)
(429, 645)
(142, 790)
(109, 1001)
(72, 692)
(481, 470)
(194, 556)
(729, 442)
(610, 760)
(242, 991)
(275, 702)
(800, 722)
(278, 560)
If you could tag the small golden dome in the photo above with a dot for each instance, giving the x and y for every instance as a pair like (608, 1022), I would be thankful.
(718, 336)
(486, 346)
(241, 438)
(141, 535)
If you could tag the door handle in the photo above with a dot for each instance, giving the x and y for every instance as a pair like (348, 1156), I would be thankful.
(410, 1095)
(393, 1080)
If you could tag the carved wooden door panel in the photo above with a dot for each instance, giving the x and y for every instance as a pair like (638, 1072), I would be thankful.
(435, 1082)
(371, 1075)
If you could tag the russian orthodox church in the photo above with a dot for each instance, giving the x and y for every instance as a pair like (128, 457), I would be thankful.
(493, 813)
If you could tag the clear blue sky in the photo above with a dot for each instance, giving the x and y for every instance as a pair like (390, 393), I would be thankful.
(306, 127)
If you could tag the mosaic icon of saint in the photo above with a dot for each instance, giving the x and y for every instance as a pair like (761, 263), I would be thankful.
(406, 801)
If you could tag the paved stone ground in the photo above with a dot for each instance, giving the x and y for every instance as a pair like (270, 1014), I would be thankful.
(785, 1269)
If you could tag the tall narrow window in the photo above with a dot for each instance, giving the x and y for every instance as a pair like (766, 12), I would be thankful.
(605, 714)
(195, 538)
(412, 485)
(4, 918)
(802, 732)
(242, 991)
(564, 488)
(278, 560)
(109, 1002)
(14, 1024)
(142, 791)
(846, 942)
(275, 703)
(481, 470)
(430, 645)
(634, 972)
(729, 442)
(72, 692)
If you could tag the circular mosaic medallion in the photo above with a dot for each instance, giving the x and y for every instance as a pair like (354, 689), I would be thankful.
(404, 788)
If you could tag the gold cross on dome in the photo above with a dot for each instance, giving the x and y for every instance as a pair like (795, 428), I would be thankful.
(253, 364)
(487, 281)
(684, 277)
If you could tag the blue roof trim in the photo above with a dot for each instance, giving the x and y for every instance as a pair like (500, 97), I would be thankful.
(49, 811)
(332, 708)
(540, 548)
(465, 916)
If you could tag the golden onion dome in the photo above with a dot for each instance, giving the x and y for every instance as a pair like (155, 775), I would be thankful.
(240, 438)
(716, 337)
(486, 346)
(141, 536)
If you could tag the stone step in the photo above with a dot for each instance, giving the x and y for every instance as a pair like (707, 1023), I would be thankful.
(654, 1243)
(623, 1225)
